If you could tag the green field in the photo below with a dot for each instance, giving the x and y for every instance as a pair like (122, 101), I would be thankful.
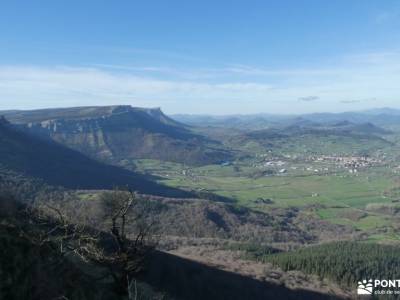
(342, 190)
(283, 173)
(339, 197)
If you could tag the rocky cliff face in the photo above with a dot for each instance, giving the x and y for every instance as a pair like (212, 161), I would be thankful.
(118, 133)
(25, 157)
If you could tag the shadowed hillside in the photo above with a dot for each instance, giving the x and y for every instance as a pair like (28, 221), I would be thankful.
(58, 165)
(186, 279)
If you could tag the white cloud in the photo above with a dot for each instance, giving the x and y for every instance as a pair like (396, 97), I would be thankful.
(233, 89)
(39, 87)
(309, 98)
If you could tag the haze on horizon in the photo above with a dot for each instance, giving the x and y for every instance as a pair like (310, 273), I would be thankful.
(230, 57)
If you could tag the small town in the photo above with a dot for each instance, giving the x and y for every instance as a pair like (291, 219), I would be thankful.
(317, 163)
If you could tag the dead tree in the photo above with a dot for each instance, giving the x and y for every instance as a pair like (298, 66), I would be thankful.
(118, 245)
(133, 236)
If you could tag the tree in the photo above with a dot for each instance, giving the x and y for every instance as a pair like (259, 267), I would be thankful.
(118, 245)
(133, 235)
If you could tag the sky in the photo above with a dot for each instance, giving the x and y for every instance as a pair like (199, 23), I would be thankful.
(201, 57)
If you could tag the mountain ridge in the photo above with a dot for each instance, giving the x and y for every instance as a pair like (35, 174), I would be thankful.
(378, 116)
(58, 165)
(115, 134)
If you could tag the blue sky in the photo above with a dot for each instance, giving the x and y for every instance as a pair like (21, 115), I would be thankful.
(215, 57)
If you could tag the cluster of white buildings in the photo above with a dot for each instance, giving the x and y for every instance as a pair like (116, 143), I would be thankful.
(352, 163)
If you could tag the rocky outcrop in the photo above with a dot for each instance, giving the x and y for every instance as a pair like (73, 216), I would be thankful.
(120, 133)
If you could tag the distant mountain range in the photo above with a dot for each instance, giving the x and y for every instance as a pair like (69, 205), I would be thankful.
(305, 127)
(81, 139)
(116, 134)
(380, 117)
